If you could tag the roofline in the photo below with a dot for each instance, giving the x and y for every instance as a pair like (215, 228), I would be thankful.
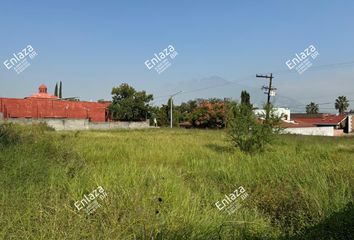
(327, 124)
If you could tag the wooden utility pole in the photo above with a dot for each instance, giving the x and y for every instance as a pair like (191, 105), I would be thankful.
(269, 88)
(270, 91)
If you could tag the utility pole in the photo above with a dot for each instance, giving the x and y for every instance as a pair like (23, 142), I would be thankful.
(270, 91)
(171, 115)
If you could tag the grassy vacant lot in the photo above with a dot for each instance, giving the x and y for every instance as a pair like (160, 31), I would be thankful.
(163, 184)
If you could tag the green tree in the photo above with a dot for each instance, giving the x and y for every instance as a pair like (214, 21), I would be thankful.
(186, 109)
(163, 118)
(56, 90)
(209, 114)
(60, 91)
(312, 108)
(247, 132)
(129, 104)
(341, 104)
(245, 98)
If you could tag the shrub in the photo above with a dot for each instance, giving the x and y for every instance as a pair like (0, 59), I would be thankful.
(249, 133)
(8, 134)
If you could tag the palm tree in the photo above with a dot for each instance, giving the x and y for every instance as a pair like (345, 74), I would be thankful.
(312, 108)
(341, 104)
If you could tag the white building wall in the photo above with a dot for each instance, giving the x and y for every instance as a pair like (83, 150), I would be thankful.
(315, 131)
(278, 111)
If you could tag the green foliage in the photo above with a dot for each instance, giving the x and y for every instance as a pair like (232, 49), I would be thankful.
(312, 108)
(295, 192)
(12, 134)
(246, 131)
(129, 104)
(341, 104)
(209, 114)
(60, 90)
(56, 90)
(203, 113)
(245, 98)
(163, 114)
(163, 118)
(164, 184)
(9, 135)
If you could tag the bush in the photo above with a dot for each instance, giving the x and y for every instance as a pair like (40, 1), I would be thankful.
(8, 134)
(249, 133)
(11, 134)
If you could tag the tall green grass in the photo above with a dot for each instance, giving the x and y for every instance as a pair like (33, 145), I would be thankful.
(163, 184)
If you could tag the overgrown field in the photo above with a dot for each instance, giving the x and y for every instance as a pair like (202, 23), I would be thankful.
(163, 184)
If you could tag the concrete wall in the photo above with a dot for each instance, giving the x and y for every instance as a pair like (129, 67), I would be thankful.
(119, 125)
(316, 131)
(80, 124)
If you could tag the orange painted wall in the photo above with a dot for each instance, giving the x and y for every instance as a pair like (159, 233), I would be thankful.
(49, 108)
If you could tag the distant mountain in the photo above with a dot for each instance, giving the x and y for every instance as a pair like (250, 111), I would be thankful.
(218, 87)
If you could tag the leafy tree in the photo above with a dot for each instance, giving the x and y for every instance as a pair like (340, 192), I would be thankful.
(312, 108)
(246, 131)
(129, 104)
(245, 98)
(185, 110)
(209, 114)
(163, 118)
(60, 90)
(213, 100)
(341, 104)
(56, 90)
(202, 113)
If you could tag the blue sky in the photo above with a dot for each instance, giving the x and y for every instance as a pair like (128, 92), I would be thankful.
(92, 46)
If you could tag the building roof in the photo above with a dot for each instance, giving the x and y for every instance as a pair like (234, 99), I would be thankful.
(325, 120)
(329, 119)
(42, 93)
(295, 125)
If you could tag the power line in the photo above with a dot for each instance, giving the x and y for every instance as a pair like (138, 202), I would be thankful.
(277, 72)
(326, 103)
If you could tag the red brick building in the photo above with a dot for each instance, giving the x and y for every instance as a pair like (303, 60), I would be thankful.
(44, 105)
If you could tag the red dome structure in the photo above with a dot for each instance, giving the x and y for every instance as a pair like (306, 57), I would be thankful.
(44, 105)
(43, 93)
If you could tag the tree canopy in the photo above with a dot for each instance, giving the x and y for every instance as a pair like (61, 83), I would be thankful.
(312, 108)
(129, 104)
(341, 104)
